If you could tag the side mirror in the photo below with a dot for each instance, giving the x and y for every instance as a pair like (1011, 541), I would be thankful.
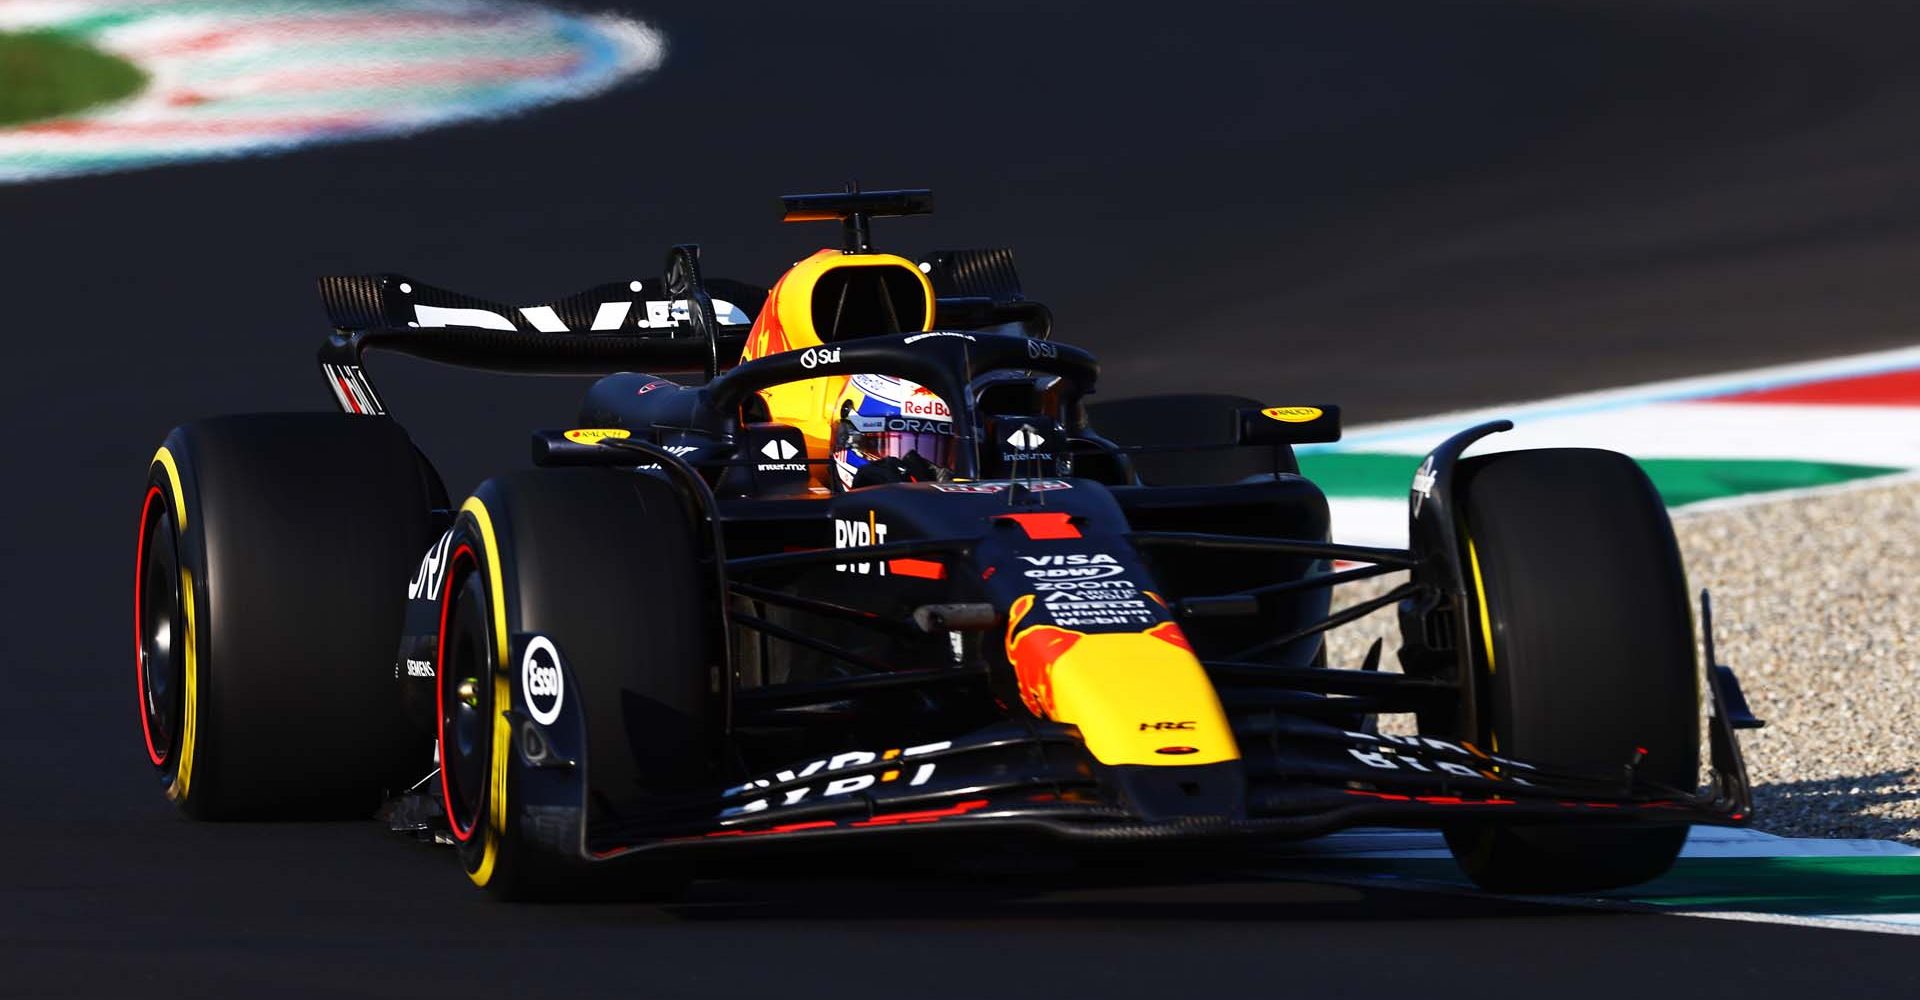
(1016, 447)
(1290, 425)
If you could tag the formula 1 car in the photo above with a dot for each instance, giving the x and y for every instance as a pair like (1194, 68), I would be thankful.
(684, 631)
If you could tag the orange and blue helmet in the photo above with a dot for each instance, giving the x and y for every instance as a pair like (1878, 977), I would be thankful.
(898, 427)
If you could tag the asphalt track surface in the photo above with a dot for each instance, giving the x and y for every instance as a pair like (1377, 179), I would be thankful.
(1399, 206)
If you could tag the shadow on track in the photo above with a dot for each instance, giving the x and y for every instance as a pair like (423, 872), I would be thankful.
(1843, 806)
(1045, 882)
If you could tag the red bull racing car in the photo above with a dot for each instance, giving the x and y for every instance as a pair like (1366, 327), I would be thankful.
(859, 557)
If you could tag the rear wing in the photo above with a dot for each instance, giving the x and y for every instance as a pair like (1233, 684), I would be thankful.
(980, 290)
(676, 324)
(641, 308)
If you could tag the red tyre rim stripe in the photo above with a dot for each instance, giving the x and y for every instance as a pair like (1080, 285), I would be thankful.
(157, 756)
(440, 696)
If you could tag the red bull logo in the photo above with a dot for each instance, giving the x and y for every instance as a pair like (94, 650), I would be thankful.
(922, 402)
(1119, 688)
(1035, 649)
(1032, 652)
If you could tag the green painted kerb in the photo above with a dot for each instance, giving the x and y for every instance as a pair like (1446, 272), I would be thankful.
(47, 75)
(1805, 886)
(1811, 886)
(1679, 480)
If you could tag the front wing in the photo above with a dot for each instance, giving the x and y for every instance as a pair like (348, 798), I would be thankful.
(1295, 779)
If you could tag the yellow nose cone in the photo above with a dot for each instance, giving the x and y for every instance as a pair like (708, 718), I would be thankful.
(1141, 698)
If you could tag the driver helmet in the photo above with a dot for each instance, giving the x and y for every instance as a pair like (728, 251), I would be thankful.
(891, 430)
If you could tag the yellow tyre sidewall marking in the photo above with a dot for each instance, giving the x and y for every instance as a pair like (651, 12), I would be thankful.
(1480, 593)
(189, 726)
(502, 696)
(164, 458)
(1482, 848)
(1486, 630)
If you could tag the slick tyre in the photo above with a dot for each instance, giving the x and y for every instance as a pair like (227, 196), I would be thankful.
(606, 566)
(1188, 420)
(273, 552)
(1584, 655)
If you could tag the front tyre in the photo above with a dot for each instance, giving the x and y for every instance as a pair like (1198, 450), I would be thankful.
(1584, 657)
(607, 566)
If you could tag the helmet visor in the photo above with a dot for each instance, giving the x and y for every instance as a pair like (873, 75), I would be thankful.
(898, 437)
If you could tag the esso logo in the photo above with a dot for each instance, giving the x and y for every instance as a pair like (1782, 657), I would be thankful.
(814, 357)
(541, 682)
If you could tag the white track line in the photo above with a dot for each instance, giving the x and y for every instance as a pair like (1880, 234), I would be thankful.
(1673, 390)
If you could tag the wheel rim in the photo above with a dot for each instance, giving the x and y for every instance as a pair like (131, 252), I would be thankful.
(158, 629)
(466, 702)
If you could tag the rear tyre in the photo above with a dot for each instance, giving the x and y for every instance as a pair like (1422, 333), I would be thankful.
(1188, 420)
(273, 552)
(607, 565)
(1585, 655)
